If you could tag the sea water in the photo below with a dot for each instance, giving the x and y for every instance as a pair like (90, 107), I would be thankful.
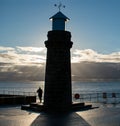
(92, 88)
(82, 87)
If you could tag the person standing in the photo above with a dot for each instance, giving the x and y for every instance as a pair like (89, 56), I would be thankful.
(39, 91)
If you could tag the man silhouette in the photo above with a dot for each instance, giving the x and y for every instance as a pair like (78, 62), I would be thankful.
(39, 91)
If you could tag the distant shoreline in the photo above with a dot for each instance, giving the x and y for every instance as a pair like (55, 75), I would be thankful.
(97, 80)
(77, 80)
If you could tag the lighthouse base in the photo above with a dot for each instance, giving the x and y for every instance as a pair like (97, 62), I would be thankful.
(41, 108)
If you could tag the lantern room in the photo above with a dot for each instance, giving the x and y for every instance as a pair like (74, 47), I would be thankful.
(58, 21)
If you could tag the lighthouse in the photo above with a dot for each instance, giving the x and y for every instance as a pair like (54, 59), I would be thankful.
(58, 91)
(58, 88)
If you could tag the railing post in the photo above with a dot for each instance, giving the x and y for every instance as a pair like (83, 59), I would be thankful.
(90, 97)
(97, 97)
(114, 96)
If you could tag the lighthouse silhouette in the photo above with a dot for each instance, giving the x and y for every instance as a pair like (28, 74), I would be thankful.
(58, 91)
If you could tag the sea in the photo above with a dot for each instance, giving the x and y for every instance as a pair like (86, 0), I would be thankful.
(84, 89)
(78, 87)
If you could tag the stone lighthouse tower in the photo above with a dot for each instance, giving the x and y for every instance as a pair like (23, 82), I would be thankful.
(58, 92)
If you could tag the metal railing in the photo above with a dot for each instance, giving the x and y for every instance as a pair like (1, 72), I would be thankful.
(99, 97)
(14, 92)
(104, 97)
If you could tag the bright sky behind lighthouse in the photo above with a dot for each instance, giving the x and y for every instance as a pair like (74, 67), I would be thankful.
(94, 25)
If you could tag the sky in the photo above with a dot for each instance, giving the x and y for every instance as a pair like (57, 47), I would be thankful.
(94, 26)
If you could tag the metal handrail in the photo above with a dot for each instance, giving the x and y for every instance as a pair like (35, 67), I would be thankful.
(113, 97)
(14, 92)
(110, 97)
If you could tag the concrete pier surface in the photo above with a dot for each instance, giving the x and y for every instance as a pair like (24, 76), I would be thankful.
(105, 115)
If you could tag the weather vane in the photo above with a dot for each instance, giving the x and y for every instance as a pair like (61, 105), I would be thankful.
(59, 6)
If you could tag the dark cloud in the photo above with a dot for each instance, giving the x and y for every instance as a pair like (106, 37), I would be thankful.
(95, 71)
(22, 72)
(80, 71)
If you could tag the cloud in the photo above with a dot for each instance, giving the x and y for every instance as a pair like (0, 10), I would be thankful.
(31, 49)
(28, 63)
(22, 55)
(2, 48)
(36, 55)
(93, 56)
(21, 62)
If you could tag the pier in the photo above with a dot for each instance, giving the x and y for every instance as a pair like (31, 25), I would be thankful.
(8, 97)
